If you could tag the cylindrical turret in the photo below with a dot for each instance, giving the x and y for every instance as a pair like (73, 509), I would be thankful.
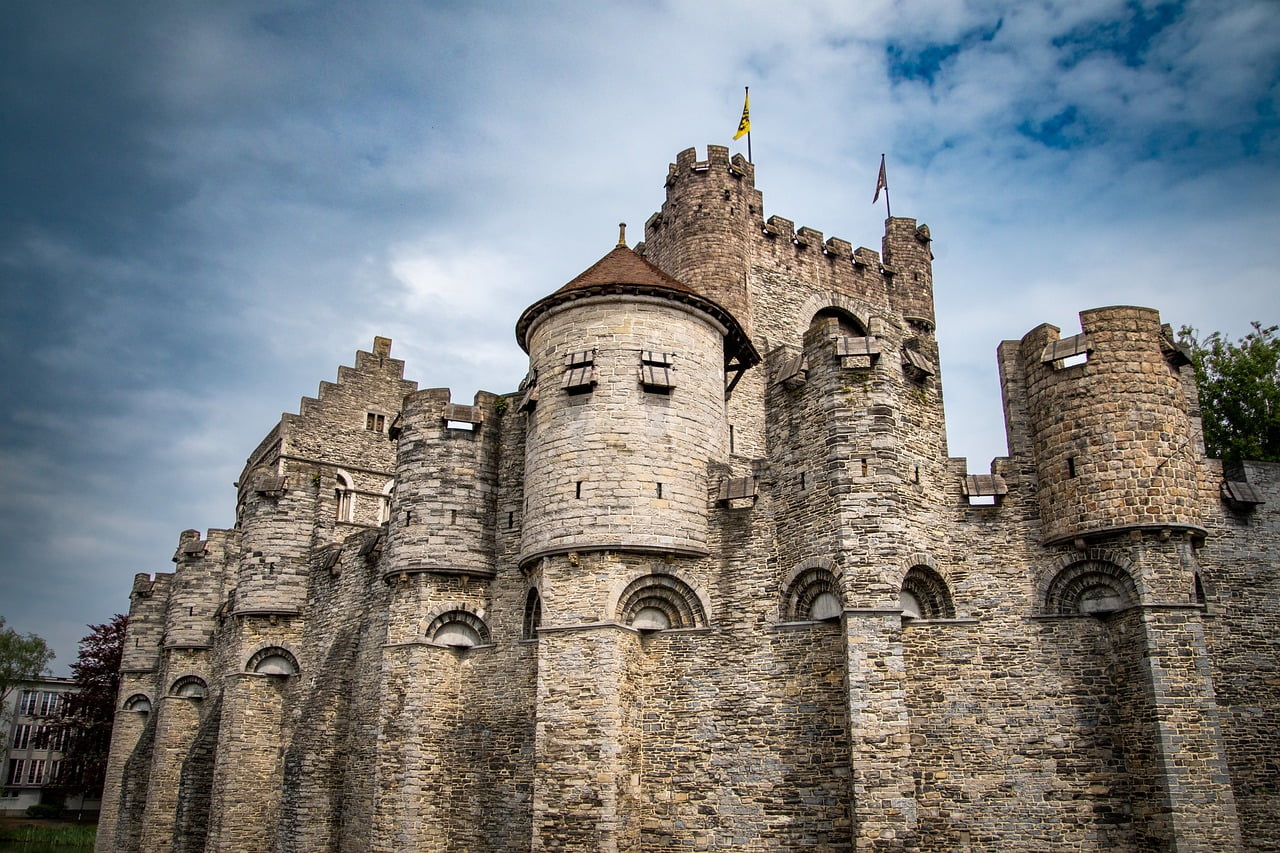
(196, 591)
(909, 257)
(1109, 425)
(700, 235)
(442, 512)
(630, 408)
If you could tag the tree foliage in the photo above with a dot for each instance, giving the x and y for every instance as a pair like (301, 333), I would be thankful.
(1239, 392)
(90, 712)
(22, 657)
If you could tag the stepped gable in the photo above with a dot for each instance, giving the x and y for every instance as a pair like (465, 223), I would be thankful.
(623, 271)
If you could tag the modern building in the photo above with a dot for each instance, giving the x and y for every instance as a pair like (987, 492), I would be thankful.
(709, 580)
(34, 741)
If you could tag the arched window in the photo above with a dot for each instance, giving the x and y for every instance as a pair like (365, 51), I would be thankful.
(925, 595)
(384, 502)
(459, 629)
(273, 660)
(846, 324)
(656, 602)
(344, 496)
(138, 702)
(814, 595)
(532, 615)
(189, 687)
(1090, 587)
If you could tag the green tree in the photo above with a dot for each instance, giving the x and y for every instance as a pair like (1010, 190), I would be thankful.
(90, 711)
(1239, 392)
(22, 658)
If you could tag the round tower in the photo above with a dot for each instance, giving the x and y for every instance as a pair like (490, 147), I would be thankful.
(629, 365)
(446, 472)
(1110, 430)
(700, 234)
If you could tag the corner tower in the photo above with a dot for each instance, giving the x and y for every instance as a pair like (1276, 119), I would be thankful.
(1109, 426)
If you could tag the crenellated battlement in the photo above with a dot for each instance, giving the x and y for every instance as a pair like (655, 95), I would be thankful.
(586, 614)
(717, 162)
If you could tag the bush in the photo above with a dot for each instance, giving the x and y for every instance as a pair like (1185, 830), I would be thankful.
(44, 810)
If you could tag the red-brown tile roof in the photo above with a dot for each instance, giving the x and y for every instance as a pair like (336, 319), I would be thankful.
(623, 271)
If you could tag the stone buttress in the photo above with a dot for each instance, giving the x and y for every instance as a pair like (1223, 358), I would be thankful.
(670, 594)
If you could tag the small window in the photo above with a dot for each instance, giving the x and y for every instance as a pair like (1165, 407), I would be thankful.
(579, 372)
(375, 422)
(532, 615)
(384, 503)
(925, 595)
(458, 629)
(273, 660)
(138, 702)
(189, 687)
(655, 371)
(344, 497)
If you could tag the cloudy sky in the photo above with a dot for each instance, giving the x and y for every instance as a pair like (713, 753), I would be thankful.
(206, 207)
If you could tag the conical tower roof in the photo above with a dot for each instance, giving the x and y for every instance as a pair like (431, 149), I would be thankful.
(622, 271)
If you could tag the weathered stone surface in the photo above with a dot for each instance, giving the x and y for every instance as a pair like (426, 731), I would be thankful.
(537, 623)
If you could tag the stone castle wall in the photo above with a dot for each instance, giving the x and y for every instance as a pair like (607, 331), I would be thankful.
(824, 633)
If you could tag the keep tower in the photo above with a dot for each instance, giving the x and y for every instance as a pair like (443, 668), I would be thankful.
(703, 232)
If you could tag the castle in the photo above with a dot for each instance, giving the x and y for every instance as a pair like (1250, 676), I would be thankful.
(708, 580)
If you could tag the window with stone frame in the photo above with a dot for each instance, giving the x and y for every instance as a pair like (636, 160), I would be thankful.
(656, 370)
(814, 596)
(21, 736)
(35, 771)
(28, 705)
(16, 768)
(659, 601)
(532, 615)
(1090, 587)
(579, 372)
(344, 496)
(375, 422)
(925, 595)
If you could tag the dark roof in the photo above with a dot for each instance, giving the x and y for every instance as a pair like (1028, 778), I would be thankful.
(623, 271)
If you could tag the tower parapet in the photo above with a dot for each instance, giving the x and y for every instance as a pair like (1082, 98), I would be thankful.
(1109, 425)
(909, 259)
(701, 233)
(442, 512)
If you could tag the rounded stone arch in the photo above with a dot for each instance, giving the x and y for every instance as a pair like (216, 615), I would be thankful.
(1090, 585)
(344, 496)
(457, 626)
(273, 660)
(812, 592)
(658, 600)
(384, 501)
(924, 592)
(532, 620)
(837, 303)
(138, 702)
(189, 687)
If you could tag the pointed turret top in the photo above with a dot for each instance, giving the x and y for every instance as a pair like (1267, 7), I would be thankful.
(624, 266)
(624, 271)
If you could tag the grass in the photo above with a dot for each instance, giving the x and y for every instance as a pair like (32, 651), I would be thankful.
(50, 835)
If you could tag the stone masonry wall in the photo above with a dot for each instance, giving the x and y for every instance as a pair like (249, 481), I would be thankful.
(472, 674)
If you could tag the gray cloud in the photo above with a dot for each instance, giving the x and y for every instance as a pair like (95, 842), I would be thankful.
(209, 206)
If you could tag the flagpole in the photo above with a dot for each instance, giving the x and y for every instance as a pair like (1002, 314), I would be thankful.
(746, 93)
(882, 183)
